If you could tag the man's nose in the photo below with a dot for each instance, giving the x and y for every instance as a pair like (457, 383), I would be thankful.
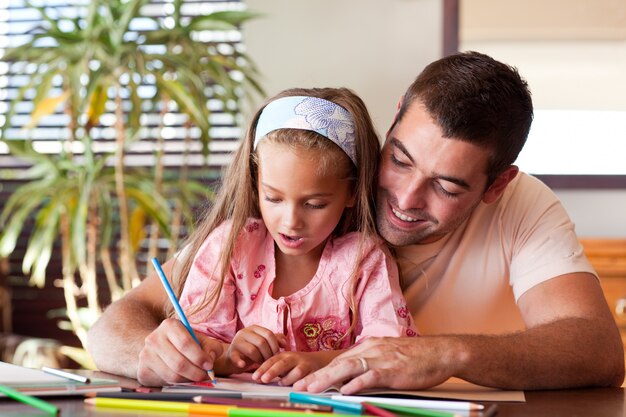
(411, 193)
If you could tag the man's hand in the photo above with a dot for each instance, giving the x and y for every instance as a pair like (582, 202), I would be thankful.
(170, 355)
(398, 363)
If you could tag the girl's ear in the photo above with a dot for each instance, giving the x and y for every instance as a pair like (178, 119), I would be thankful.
(352, 200)
(496, 189)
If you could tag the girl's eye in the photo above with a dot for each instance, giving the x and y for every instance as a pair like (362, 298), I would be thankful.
(316, 206)
(271, 200)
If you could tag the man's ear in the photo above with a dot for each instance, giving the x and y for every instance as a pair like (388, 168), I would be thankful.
(395, 116)
(496, 189)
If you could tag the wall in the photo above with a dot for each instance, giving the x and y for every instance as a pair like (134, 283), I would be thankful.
(374, 47)
(596, 213)
(573, 55)
(378, 47)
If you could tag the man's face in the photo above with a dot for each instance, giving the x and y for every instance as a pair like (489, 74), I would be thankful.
(428, 184)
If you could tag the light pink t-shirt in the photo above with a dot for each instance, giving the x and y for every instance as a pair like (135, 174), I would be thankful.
(314, 317)
(469, 281)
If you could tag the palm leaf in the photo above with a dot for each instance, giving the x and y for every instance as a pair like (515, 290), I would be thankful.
(35, 191)
(137, 231)
(225, 20)
(154, 208)
(184, 100)
(79, 217)
(39, 250)
(46, 107)
(12, 230)
(105, 213)
(97, 102)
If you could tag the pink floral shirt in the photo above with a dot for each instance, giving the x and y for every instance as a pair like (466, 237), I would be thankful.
(313, 318)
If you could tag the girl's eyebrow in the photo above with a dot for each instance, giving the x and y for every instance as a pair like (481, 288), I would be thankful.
(458, 181)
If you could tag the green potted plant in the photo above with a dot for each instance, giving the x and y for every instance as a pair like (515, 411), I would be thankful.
(90, 201)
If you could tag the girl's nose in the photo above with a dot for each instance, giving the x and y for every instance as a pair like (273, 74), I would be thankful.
(292, 218)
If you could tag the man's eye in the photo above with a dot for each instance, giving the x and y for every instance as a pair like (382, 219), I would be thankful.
(445, 192)
(397, 162)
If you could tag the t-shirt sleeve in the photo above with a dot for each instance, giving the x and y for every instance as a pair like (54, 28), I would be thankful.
(203, 279)
(544, 243)
(382, 308)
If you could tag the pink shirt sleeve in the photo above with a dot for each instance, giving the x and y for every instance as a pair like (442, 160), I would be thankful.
(203, 278)
(382, 308)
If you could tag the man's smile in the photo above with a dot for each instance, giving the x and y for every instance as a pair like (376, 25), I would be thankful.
(401, 216)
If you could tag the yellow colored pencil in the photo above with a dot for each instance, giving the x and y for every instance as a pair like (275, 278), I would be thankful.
(191, 408)
(149, 405)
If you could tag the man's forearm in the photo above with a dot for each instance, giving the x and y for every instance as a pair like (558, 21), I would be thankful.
(572, 352)
(117, 338)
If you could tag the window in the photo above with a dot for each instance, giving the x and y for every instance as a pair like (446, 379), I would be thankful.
(17, 19)
(32, 306)
(572, 55)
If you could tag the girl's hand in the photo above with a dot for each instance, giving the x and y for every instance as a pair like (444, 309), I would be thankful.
(290, 367)
(253, 345)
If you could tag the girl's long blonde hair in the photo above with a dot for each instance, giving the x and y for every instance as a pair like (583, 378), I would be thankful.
(237, 198)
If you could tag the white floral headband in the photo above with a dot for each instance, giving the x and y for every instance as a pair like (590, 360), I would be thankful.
(309, 113)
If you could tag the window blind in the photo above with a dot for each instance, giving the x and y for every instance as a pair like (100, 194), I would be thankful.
(32, 306)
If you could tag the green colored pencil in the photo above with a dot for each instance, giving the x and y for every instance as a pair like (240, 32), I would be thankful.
(420, 412)
(30, 400)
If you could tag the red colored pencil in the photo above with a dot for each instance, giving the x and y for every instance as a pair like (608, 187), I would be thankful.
(376, 411)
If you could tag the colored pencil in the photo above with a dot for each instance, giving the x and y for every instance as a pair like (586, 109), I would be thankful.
(376, 411)
(337, 405)
(29, 400)
(252, 412)
(66, 375)
(159, 396)
(177, 307)
(192, 408)
(150, 405)
(410, 402)
(490, 411)
(420, 412)
(262, 403)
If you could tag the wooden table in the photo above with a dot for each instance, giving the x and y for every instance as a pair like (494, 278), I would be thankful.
(590, 402)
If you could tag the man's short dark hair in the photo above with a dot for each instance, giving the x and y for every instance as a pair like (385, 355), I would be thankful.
(476, 99)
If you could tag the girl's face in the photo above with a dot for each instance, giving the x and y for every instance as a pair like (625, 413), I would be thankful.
(300, 206)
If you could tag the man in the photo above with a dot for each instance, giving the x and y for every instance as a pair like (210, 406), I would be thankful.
(493, 272)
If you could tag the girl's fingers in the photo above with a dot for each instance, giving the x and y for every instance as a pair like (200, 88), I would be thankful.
(237, 359)
(282, 342)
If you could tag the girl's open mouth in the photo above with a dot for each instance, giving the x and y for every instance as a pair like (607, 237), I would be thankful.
(292, 242)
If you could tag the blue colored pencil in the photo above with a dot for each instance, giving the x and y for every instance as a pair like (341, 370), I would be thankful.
(338, 406)
(177, 308)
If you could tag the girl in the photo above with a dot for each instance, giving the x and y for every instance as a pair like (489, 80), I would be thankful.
(286, 269)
